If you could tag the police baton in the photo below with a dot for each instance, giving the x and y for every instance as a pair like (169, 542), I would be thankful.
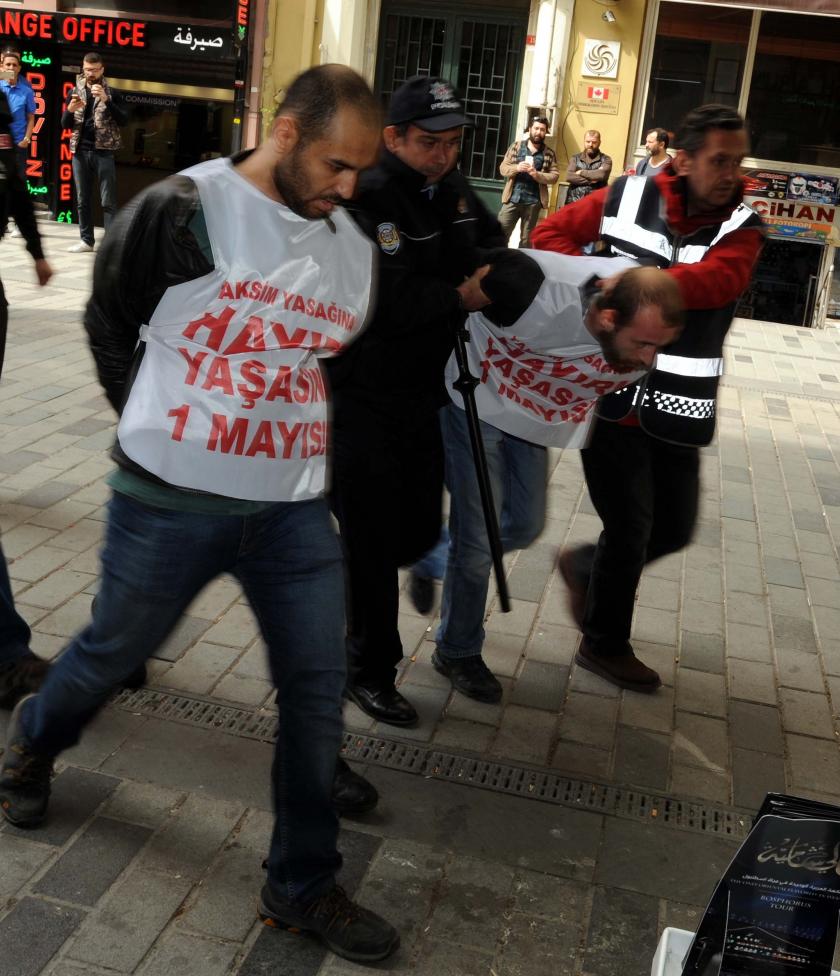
(465, 385)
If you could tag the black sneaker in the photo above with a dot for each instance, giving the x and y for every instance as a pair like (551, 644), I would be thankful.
(24, 777)
(421, 592)
(470, 676)
(352, 794)
(345, 928)
(21, 677)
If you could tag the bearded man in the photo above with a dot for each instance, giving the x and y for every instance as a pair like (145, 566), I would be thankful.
(215, 295)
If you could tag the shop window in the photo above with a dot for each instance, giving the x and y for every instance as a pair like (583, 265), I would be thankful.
(794, 103)
(698, 57)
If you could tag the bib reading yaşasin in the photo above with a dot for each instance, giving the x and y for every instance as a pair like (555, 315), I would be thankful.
(230, 397)
(540, 378)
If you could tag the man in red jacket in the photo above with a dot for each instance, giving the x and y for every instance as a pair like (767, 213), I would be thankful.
(691, 221)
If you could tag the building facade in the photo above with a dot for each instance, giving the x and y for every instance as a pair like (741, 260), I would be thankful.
(621, 67)
(778, 62)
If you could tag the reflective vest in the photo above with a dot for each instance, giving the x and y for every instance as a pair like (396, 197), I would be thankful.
(676, 400)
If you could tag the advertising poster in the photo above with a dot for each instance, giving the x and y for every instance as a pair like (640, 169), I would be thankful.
(813, 189)
(765, 183)
(775, 912)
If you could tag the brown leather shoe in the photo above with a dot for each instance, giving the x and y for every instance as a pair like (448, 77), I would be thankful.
(576, 584)
(624, 670)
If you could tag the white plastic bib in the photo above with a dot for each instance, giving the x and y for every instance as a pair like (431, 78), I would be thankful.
(230, 397)
(539, 379)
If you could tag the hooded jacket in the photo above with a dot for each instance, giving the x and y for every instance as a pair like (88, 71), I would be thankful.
(711, 255)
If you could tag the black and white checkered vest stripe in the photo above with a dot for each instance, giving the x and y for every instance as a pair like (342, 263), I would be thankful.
(676, 400)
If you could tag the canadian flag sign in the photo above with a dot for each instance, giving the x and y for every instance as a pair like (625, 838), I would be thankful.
(601, 94)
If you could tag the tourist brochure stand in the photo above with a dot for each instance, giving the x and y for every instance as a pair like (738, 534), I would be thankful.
(775, 911)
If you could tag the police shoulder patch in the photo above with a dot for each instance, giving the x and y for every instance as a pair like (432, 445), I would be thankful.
(388, 237)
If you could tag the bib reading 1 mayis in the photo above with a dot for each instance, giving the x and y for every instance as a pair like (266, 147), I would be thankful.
(230, 397)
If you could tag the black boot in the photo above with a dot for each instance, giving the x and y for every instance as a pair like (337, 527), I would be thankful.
(25, 776)
(21, 677)
(352, 794)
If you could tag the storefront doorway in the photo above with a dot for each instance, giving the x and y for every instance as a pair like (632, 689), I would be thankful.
(481, 53)
(785, 283)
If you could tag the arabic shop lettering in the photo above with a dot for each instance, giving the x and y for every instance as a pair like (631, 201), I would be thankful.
(196, 42)
(29, 58)
(796, 854)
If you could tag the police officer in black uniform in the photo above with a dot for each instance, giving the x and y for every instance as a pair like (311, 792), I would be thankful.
(429, 229)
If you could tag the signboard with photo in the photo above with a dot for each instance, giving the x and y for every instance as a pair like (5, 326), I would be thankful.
(765, 183)
(811, 188)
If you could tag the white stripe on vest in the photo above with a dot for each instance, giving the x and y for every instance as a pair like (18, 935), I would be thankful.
(688, 366)
(625, 227)
(625, 219)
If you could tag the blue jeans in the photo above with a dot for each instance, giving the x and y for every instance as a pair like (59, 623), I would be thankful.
(518, 472)
(14, 630)
(288, 560)
(87, 164)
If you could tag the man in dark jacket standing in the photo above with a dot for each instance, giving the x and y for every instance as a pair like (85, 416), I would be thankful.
(589, 170)
(20, 670)
(428, 227)
(95, 113)
(690, 220)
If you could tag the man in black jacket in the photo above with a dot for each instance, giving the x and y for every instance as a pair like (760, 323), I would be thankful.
(20, 670)
(429, 228)
(214, 297)
(94, 112)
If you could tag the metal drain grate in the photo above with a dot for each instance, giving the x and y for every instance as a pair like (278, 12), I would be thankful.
(523, 781)
(200, 712)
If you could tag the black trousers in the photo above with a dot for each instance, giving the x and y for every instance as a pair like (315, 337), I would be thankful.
(387, 494)
(4, 326)
(646, 493)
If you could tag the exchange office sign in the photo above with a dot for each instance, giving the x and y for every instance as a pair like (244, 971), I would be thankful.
(154, 37)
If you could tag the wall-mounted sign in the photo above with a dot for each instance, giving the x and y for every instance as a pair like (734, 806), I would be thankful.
(112, 32)
(794, 205)
(242, 19)
(764, 183)
(598, 98)
(787, 218)
(814, 189)
(600, 59)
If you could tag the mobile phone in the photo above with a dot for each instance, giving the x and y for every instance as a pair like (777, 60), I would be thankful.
(6, 75)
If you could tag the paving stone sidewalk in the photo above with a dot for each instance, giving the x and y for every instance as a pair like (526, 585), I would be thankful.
(742, 627)
(150, 864)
